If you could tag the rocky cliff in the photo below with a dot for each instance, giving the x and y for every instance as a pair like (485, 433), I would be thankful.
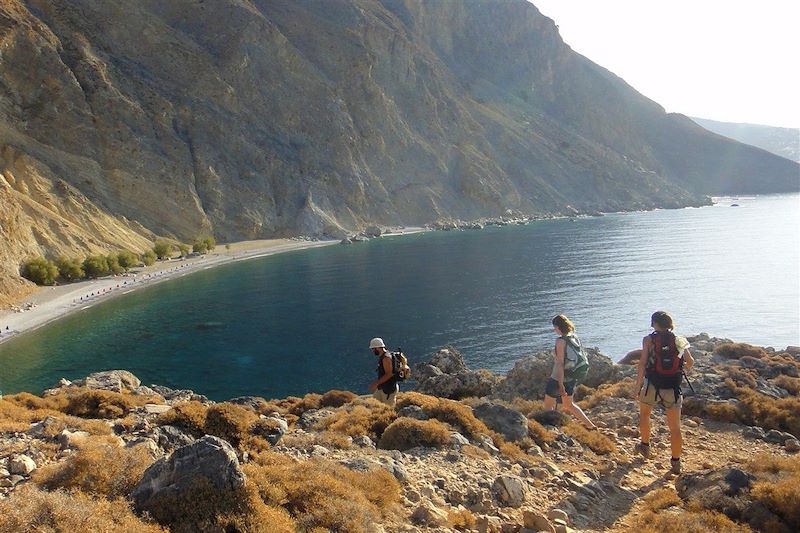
(254, 118)
(106, 453)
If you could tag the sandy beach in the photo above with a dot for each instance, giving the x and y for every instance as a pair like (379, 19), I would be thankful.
(51, 303)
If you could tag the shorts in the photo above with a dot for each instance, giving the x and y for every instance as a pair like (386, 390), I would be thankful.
(388, 399)
(649, 395)
(551, 389)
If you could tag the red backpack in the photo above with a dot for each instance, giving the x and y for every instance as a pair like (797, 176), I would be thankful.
(665, 364)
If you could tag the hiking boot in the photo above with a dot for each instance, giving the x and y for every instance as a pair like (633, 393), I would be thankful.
(643, 449)
(676, 466)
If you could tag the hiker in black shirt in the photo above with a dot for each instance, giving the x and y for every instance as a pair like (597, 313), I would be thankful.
(385, 388)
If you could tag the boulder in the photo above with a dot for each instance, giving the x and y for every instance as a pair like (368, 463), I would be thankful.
(726, 490)
(72, 439)
(312, 417)
(536, 521)
(254, 403)
(373, 231)
(510, 490)
(112, 380)
(774, 436)
(210, 458)
(512, 424)
(21, 465)
(429, 515)
(792, 445)
(446, 376)
(172, 437)
(528, 376)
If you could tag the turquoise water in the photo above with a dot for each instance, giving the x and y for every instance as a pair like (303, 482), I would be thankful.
(301, 321)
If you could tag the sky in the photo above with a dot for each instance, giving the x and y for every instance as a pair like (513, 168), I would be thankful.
(726, 60)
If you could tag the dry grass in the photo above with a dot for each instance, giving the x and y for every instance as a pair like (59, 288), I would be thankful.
(361, 417)
(336, 398)
(405, 433)
(321, 494)
(662, 499)
(229, 421)
(789, 384)
(594, 440)
(17, 415)
(594, 397)
(461, 519)
(98, 469)
(539, 433)
(737, 350)
(293, 405)
(683, 522)
(31, 509)
(85, 403)
(191, 416)
(473, 451)
(328, 439)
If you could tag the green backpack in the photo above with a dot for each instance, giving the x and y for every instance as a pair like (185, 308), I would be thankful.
(576, 367)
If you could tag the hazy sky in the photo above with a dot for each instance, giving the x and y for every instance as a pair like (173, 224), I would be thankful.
(727, 60)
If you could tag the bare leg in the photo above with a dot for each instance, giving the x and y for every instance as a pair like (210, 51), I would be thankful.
(549, 403)
(675, 437)
(644, 422)
(576, 411)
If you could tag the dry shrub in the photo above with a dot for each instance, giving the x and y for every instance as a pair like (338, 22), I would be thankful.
(204, 508)
(473, 451)
(328, 439)
(742, 377)
(254, 444)
(452, 412)
(229, 421)
(19, 415)
(321, 494)
(336, 398)
(461, 519)
(361, 417)
(581, 392)
(293, 405)
(30, 401)
(620, 389)
(539, 433)
(769, 413)
(696, 522)
(779, 487)
(661, 499)
(737, 350)
(103, 470)
(594, 440)
(190, 416)
(405, 433)
(31, 509)
(789, 384)
(102, 404)
(526, 407)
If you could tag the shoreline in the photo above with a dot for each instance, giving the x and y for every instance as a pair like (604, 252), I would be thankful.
(49, 304)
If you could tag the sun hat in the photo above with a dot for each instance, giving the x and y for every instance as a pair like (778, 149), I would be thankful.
(377, 342)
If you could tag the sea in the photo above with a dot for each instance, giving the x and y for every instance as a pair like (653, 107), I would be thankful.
(301, 322)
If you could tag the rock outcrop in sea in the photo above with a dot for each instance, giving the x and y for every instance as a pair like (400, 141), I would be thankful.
(148, 457)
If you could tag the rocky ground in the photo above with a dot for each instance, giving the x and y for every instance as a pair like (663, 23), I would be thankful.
(468, 451)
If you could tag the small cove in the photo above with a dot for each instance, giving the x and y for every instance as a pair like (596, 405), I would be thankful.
(300, 321)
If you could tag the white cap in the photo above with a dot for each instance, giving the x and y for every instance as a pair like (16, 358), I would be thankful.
(377, 342)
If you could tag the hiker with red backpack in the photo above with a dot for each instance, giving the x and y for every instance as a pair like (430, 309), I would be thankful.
(663, 362)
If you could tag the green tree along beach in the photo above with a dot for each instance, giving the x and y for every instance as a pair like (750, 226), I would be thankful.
(207, 209)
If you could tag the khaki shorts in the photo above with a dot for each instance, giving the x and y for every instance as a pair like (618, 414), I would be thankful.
(388, 399)
(651, 396)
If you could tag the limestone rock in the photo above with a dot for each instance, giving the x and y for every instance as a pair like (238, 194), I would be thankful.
(112, 380)
(72, 439)
(446, 376)
(510, 490)
(535, 521)
(209, 458)
(172, 437)
(429, 515)
(21, 465)
(512, 424)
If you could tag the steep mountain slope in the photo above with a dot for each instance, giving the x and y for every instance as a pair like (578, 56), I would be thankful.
(253, 118)
(784, 142)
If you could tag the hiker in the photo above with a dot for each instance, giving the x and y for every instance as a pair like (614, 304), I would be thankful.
(385, 388)
(664, 359)
(569, 366)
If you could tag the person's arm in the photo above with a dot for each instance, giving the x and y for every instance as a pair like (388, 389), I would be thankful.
(560, 345)
(641, 366)
(688, 360)
(388, 373)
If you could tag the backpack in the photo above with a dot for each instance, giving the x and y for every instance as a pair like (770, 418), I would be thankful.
(664, 363)
(400, 367)
(577, 367)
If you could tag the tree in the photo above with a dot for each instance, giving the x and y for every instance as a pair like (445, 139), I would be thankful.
(127, 259)
(70, 269)
(95, 266)
(40, 271)
(162, 249)
(148, 257)
(200, 247)
(211, 243)
(113, 264)
(185, 249)
(227, 246)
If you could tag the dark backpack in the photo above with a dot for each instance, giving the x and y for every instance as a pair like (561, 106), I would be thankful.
(576, 367)
(664, 363)
(400, 367)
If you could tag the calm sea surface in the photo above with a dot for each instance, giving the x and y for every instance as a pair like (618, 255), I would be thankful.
(301, 321)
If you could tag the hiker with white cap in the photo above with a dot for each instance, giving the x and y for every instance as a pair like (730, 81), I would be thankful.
(385, 388)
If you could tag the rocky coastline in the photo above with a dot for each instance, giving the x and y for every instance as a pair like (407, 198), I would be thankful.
(467, 450)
